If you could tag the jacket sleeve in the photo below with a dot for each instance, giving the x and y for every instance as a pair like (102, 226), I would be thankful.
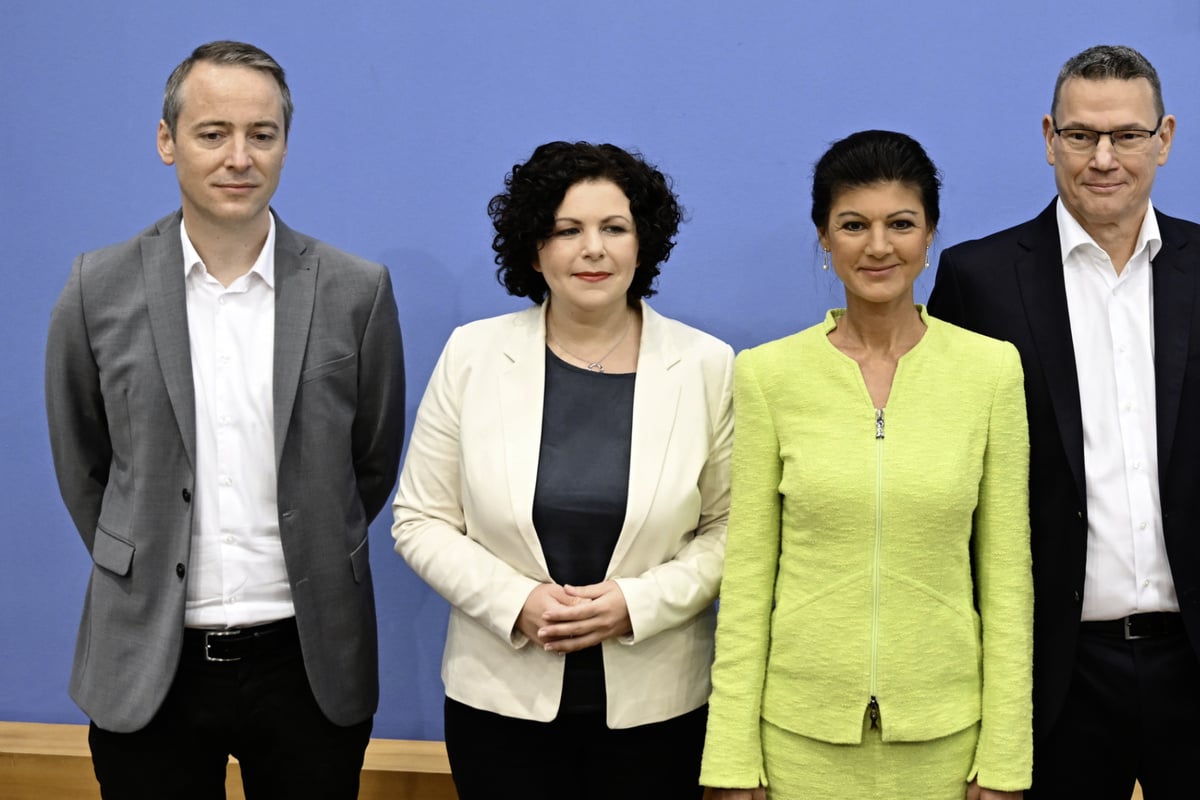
(1004, 587)
(378, 429)
(79, 438)
(430, 525)
(669, 594)
(733, 751)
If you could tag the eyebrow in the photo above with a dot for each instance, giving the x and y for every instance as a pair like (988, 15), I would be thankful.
(221, 123)
(609, 218)
(1081, 126)
(852, 213)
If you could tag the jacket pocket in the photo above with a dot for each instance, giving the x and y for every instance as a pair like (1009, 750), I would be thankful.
(326, 367)
(360, 561)
(112, 552)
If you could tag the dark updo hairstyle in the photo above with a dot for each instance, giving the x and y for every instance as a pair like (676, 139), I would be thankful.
(523, 215)
(868, 157)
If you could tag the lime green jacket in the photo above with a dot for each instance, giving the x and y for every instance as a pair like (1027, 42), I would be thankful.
(876, 554)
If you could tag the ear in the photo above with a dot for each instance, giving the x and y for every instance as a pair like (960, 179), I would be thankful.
(166, 143)
(823, 238)
(1048, 134)
(1167, 133)
(537, 267)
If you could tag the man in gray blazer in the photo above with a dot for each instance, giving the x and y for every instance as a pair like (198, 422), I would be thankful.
(225, 401)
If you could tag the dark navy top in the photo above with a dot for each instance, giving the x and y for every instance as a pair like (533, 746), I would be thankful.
(582, 488)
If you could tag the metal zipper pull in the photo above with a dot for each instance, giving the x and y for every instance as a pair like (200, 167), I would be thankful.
(879, 423)
(873, 711)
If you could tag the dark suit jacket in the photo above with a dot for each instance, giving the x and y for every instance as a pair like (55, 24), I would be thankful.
(1010, 286)
(120, 402)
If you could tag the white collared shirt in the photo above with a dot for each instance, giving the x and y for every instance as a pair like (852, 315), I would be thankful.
(237, 575)
(1112, 327)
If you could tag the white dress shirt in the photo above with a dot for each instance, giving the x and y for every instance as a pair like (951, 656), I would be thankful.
(1112, 327)
(237, 574)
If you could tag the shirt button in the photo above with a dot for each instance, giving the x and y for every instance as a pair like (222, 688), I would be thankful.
(179, 570)
(1142, 526)
(229, 540)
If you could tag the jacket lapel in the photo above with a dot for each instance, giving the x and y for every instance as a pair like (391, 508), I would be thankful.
(655, 401)
(522, 394)
(166, 301)
(1174, 299)
(295, 290)
(1044, 295)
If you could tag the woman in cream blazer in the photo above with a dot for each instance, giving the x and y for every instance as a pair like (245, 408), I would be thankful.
(465, 510)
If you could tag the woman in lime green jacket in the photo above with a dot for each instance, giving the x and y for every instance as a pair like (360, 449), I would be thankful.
(874, 636)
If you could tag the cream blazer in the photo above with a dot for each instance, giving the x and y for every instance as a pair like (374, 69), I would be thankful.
(464, 517)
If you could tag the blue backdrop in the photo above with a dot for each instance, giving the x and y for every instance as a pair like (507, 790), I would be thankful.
(408, 116)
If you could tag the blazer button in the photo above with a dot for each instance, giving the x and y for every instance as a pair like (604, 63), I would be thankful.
(1078, 598)
(187, 496)
(179, 570)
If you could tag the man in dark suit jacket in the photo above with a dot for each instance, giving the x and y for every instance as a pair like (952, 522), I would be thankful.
(1100, 294)
(225, 399)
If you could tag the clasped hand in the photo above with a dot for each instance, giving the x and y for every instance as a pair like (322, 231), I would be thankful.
(565, 619)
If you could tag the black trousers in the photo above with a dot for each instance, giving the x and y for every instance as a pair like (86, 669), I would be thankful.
(575, 756)
(259, 709)
(1132, 713)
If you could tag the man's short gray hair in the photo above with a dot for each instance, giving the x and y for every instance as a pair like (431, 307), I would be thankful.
(1109, 62)
(236, 54)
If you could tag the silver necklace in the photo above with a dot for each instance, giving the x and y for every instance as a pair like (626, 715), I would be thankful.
(598, 364)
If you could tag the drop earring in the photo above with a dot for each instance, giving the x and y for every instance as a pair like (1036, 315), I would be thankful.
(825, 265)
(926, 258)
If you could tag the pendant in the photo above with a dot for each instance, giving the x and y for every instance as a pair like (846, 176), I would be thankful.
(596, 366)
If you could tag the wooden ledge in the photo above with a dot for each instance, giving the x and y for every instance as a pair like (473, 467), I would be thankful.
(53, 762)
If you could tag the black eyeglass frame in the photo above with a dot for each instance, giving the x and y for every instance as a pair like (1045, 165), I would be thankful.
(1110, 134)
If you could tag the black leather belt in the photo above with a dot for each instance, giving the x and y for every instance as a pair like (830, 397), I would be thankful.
(1137, 626)
(230, 645)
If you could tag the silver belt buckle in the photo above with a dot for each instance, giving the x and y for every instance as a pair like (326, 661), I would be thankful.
(209, 635)
(1129, 636)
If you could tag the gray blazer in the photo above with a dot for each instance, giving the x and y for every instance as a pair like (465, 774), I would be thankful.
(121, 409)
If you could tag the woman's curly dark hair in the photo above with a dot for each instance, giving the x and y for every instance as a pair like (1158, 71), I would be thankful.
(523, 215)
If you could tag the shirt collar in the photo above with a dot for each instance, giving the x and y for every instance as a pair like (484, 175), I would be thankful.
(1071, 234)
(264, 264)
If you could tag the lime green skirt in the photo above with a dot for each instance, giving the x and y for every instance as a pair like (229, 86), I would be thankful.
(800, 768)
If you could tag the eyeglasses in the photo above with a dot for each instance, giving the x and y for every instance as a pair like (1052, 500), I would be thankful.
(1126, 141)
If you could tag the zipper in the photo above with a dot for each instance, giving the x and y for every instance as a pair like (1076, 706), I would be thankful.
(873, 705)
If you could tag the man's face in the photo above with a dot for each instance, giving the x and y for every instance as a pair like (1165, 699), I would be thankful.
(1103, 187)
(229, 145)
